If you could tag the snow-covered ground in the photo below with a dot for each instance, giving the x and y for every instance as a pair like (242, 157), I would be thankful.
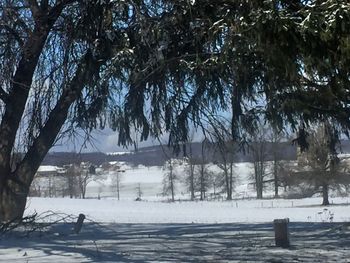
(154, 207)
(154, 230)
(149, 179)
(240, 211)
(321, 242)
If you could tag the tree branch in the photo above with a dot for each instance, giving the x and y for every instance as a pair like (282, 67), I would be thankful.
(35, 9)
(4, 96)
(20, 86)
(86, 70)
(13, 33)
(44, 4)
(59, 6)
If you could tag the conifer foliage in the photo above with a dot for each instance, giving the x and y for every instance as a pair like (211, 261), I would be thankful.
(160, 66)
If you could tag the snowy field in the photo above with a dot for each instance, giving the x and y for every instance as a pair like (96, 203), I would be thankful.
(154, 230)
(155, 208)
(240, 211)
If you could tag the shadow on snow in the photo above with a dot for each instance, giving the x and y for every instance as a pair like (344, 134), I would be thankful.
(311, 242)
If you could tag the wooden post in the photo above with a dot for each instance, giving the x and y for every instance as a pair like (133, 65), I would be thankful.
(281, 232)
(79, 223)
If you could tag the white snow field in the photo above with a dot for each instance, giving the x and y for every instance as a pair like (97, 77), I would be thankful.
(207, 212)
(154, 230)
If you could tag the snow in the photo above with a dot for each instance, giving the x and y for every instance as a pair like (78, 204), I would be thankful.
(118, 153)
(154, 230)
(179, 243)
(150, 180)
(207, 212)
(154, 207)
(48, 168)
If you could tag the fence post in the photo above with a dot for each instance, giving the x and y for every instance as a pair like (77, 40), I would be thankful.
(78, 225)
(281, 232)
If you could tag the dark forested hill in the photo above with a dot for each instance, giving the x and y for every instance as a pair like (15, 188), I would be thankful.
(156, 155)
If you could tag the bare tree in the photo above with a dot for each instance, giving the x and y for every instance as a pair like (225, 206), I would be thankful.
(204, 176)
(190, 179)
(35, 189)
(116, 180)
(225, 149)
(258, 149)
(190, 169)
(85, 176)
(227, 166)
(71, 176)
(170, 178)
(276, 152)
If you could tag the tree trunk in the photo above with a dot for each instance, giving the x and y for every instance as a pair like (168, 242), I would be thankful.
(172, 183)
(229, 197)
(118, 186)
(325, 194)
(259, 178)
(202, 187)
(82, 186)
(259, 193)
(172, 192)
(192, 187)
(13, 202)
(14, 186)
(24, 173)
(259, 187)
(191, 175)
(228, 180)
(275, 175)
(192, 190)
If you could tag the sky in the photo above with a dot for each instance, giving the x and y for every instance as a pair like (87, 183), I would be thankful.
(102, 141)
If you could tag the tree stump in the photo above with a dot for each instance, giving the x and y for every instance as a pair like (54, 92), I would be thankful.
(78, 225)
(281, 232)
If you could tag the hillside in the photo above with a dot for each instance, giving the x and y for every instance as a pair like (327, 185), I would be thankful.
(156, 155)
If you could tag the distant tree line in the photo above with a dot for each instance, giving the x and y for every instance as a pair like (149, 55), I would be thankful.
(317, 170)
